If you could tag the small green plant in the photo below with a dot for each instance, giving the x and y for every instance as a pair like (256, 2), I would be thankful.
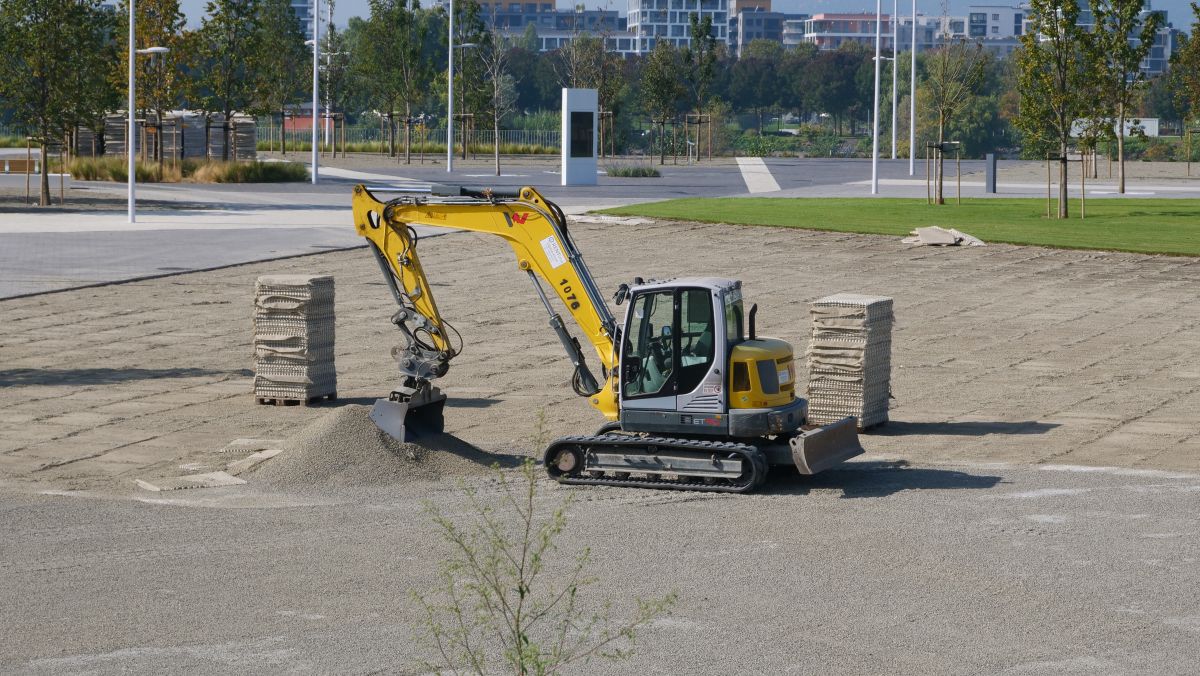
(503, 604)
(631, 171)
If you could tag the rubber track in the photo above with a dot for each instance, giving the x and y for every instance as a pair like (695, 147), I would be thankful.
(622, 443)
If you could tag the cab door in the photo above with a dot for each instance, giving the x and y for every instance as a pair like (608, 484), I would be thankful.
(649, 368)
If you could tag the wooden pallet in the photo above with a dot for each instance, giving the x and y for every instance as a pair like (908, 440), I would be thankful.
(272, 401)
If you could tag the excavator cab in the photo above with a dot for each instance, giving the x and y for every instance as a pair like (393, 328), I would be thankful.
(688, 367)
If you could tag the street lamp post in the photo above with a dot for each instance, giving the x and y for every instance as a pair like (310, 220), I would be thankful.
(131, 136)
(316, 45)
(450, 96)
(912, 97)
(895, 53)
(875, 108)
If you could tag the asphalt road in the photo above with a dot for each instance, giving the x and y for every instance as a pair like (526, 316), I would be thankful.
(92, 243)
(875, 568)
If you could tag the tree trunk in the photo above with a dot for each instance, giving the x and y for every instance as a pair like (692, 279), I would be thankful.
(1063, 212)
(407, 133)
(941, 199)
(391, 116)
(1121, 148)
(496, 141)
(225, 138)
(662, 141)
(44, 197)
(283, 132)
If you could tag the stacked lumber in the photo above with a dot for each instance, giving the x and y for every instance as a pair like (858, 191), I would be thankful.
(850, 359)
(293, 339)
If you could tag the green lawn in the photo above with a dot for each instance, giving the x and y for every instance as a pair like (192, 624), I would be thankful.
(1167, 226)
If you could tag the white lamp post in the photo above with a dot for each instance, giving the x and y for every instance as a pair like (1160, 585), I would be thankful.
(912, 97)
(450, 96)
(875, 108)
(895, 53)
(316, 45)
(131, 140)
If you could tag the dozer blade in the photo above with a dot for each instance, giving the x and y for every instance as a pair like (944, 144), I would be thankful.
(819, 449)
(409, 420)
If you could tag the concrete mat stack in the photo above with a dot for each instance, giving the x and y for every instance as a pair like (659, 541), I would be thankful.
(850, 359)
(293, 339)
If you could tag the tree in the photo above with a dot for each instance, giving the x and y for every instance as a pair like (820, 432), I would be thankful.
(1185, 70)
(335, 76)
(159, 76)
(56, 56)
(281, 49)
(1052, 78)
(226, 51)
(493, 52)
(700, 57)
(662, 88)
(1122, 38)
(754, 84)
(953, 73)
(500, 605)
(398, 75)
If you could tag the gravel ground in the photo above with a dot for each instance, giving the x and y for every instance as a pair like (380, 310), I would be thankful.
(1000, 353)
(944, 550)
(344, 448)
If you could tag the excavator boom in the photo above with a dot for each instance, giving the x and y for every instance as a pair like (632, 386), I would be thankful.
(536, 229)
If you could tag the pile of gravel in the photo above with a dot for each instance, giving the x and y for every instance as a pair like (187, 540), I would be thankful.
(344, 448)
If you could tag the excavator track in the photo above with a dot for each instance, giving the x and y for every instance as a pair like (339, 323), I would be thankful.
(656, 462)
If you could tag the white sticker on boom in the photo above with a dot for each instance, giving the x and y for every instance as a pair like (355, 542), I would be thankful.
(554, 252)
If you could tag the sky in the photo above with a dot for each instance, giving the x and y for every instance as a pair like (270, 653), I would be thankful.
(1178, 12)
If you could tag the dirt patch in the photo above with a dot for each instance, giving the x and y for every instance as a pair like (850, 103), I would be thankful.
(344, 448)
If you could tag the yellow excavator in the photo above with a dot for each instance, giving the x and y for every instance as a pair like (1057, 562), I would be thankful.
(693, 398)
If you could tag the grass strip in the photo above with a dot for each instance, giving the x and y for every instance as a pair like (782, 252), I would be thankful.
(1155, 226)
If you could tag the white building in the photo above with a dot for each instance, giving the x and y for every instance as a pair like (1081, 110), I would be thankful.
(654, 20)
(304, 11)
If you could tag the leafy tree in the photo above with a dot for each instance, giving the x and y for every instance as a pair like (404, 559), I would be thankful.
(226, 51)
(501, 87)
(700, 57)
(277, 61)
(335, 76)
(160, 85)
(1185, 69)
(754, 84)
(1053, 74)
(953, 73)
(53, 67)
(395, 60)
(661, 88)
(1121, 40)
(830, 83)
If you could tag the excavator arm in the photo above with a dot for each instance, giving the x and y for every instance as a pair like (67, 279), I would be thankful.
(536, 229)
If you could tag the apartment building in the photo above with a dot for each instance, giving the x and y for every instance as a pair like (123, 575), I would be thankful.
(654, 20)
(831, 31)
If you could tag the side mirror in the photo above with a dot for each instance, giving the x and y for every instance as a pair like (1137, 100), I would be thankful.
(666, 332)
(622, 294)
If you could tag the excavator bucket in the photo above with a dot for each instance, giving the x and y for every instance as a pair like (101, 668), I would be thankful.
(818, 449)
(409, 420)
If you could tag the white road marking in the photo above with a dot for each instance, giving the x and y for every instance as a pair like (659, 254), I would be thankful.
(757, 176)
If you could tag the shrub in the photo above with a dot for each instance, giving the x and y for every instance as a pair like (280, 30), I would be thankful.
(114, 168)
(503, 604)
(631, 171)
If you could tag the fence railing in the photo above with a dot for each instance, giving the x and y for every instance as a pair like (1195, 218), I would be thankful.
(358, 136)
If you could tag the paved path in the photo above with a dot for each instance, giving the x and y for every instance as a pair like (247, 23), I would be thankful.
(929, 569)
(1004, 353)
(944, 550)
(181, 222)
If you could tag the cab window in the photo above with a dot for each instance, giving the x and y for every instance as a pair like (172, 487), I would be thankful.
(649, 362)
(696, 337)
